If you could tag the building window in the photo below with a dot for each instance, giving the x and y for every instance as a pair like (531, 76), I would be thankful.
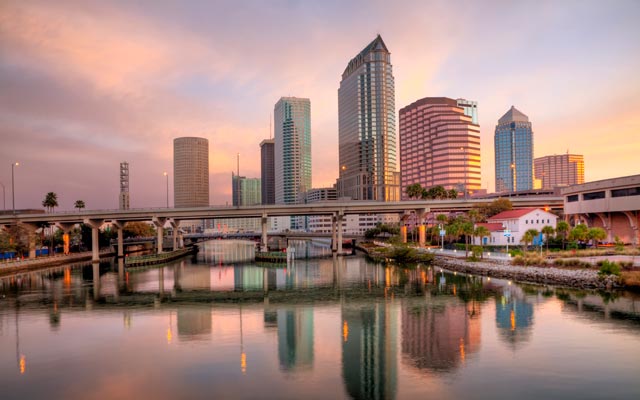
(593, 195)
(572, 198)
(635, 191)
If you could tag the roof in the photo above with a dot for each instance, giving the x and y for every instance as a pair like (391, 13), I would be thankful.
(491, 226)
(513, 115)
(376, 45)
(511, 214)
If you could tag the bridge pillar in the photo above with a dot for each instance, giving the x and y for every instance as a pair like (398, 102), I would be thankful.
(422, 236)
(176, 231)
(31, 237)
(340, 216)
(159, 223)
(95, 225)
(66, 228)
(120, 228)
(334, 233)
(263, 240)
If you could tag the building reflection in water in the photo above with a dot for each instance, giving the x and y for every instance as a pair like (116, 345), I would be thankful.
(369, 355)
(295, 338)
(194, 323)
(226, 251)
(514, 316)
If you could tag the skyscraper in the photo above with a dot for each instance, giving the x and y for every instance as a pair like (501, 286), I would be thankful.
(191, 172)
(439, 145)
(367, 127)
(267, 171)
(513, 142)
(245, 191)
(292, 117)
(559, 170)
(123, 199)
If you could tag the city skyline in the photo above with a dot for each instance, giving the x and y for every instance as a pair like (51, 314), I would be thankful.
(123, 80)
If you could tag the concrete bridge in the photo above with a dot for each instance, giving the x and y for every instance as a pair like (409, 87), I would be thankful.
(160, 216)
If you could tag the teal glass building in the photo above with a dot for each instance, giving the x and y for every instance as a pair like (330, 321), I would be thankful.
(513, 142)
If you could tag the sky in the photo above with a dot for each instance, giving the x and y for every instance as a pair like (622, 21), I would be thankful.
(85, 85)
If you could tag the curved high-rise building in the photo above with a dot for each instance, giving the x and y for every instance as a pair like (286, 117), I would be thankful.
(191, 172)
(513, 142)
(367, 127)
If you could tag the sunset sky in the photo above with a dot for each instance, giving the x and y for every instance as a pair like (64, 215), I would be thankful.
(85, 85)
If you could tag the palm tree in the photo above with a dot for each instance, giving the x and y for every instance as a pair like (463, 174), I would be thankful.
(580, 233)
(453, 194)
(79, 204)
(547, 231)
(414, 191)
(481, 232)
(466, 228)
(596, 234)
(562, 228)
(50, 201)
(528, 237)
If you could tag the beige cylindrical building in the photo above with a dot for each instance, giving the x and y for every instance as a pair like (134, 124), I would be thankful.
(191, 172)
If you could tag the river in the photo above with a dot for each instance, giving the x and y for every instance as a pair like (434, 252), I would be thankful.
(219, 326)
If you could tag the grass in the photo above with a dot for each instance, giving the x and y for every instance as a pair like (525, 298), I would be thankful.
(631, 279)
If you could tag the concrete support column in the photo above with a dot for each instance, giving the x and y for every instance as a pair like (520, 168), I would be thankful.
(422, 236)
(606, 223)
(176, 231)
(340, 216)
(159, 223)
(66, 228)
(634, 223)
(334, 233)
(264, 238)
(119, 225)
(403, 233)
(95, 225)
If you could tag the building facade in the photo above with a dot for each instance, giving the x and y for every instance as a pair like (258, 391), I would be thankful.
(439, 145)
(292, 150)
(367, 127)
(515, 223)
(267, 171)
(559, 170)
(513, 141)
(245, 191)
(191, 172)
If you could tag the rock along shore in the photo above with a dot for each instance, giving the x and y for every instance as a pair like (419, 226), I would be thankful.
(577, 278)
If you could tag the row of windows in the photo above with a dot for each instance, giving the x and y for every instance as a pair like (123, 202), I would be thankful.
(526, 221)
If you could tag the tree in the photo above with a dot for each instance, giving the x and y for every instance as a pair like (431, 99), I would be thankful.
(580, 233)
(453, 194)
(562, 228)
(466, 228)
(79, 204)
(50, 201)
(134, 229)
(436, 192)
(497, 206)
(481, 232)
(414, 191)
(596, 234)
(547, 231)
(528, 237)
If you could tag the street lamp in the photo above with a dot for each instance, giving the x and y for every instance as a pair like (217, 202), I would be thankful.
(167, 176)
(13, 190)
(4, 201)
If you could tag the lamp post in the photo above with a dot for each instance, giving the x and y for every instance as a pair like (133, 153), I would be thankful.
(464, 171)
(166, 175)
(13, 190)
(4, 200)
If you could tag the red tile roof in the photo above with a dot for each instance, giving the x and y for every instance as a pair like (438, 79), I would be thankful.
(511, 214)
(492, 227)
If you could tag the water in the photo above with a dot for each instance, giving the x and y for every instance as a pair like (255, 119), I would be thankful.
(219, 326)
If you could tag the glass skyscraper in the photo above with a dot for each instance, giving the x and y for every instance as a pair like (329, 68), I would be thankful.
(292, 117)
(267, 171)
(513, 142)
(367, 127)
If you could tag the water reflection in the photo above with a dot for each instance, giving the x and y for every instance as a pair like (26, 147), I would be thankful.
(369, 351)
(342, 327)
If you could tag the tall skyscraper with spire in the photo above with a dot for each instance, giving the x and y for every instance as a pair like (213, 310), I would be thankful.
(367, 127)
(513, 141)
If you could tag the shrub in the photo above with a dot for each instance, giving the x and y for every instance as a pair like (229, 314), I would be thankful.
(476, 251)
(609, 268)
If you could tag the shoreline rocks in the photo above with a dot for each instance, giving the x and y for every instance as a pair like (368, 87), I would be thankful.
(576, 278)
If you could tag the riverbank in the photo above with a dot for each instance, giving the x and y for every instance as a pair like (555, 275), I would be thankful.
(571, 277)
(14, 267)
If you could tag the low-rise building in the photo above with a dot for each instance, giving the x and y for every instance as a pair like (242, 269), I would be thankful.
(508, 227)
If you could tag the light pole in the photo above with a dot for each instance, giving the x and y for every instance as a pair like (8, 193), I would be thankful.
(4, 200)
(464, 171)
(166, 175)
(13, 190)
